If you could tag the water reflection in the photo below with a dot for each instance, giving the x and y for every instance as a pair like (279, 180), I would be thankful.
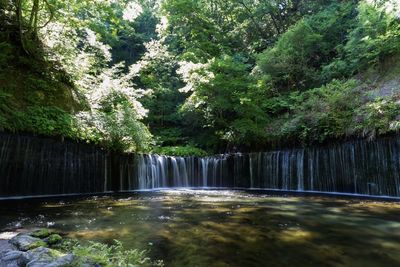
(226, 228)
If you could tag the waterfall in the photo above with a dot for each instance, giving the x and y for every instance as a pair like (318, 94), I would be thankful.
(215, 163)
(204, 171)
(176, 174)
(184, 173)
(162, 171)
(44, 166)
(358, 167)
(251, 170)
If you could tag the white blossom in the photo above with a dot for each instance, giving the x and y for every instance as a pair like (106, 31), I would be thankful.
(132, 11)
(191, 75)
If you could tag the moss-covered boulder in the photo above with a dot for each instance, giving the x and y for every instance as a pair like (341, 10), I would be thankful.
(26, 242)
(37, 244)
(53, 239)
(42, 233)
(41, 257)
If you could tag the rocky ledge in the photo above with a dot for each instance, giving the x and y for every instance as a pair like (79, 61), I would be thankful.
(33, 250)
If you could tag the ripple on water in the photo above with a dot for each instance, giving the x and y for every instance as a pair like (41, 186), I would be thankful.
(228, 228)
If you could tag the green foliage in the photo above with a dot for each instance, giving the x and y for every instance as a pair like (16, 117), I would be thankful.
(288, 62)
(180, 151)
(203, 29)
(43, 120)
(292, 94)
(37, 244)
(64, 76)
(49, 121)
(122, 129)
(199, 73)
(111, 255)
(295, 61)
(376, 36)
(169, 136)
(229, 102)
(5, 54)
(54, 239)
(99, 254)
(6, 107)
(336, 110)
(158, 74)
(42, 233)
(321, 113)
(378, 117)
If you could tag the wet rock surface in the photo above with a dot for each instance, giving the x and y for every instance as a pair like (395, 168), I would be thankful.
(41, 257)
(5, 245)
(26, 242)
(26, 250)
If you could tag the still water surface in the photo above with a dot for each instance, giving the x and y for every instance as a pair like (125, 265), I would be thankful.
(226, 228)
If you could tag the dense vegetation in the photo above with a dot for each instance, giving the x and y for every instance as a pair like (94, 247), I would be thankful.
(187, 76)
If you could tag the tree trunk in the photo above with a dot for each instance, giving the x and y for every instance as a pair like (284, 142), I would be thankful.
(33, 20)
(19, 21)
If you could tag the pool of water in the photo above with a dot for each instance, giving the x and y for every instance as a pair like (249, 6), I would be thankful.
(226, 228)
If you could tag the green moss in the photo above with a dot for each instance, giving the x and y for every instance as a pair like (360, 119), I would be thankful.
(66, 245)
(53, 239)
(42, 233)
(37, 244)
(56, 253)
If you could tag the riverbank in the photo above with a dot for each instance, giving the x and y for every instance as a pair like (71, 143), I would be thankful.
(45, 248)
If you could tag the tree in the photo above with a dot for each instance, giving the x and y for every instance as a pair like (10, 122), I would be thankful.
(227, 98)
(297, 59)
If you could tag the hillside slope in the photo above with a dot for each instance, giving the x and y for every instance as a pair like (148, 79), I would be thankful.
(35, 95)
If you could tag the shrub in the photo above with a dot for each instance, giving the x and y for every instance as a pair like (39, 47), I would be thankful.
(377, 117)
(376, 36)
(180, 151)
(43, 120)
(5, 54)
(297, 59)
(320, 113)
(109, 255)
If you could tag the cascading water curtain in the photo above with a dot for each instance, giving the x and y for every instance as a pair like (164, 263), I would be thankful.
(43, 166)
(31, 165)
(358, 167)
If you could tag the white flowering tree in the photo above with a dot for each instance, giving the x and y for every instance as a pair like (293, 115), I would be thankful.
(112, 113)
